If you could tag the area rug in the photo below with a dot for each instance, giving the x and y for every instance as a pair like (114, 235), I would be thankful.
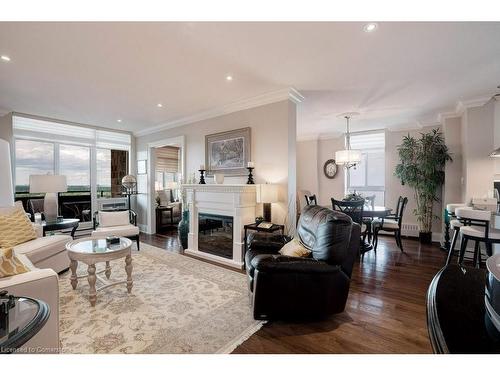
(178, 305)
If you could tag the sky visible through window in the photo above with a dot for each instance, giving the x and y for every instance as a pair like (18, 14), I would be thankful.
(36, 157)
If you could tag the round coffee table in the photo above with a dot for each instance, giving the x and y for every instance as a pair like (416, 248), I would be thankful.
(95, 250)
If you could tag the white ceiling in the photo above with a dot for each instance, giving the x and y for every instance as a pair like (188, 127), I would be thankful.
(96, 73)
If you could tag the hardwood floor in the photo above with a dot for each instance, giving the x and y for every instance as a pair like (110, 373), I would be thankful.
(385, 312)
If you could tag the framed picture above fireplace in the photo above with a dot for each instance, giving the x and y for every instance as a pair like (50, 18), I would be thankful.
(228, 152)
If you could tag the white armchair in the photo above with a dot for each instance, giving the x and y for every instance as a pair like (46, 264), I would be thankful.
(116, 223)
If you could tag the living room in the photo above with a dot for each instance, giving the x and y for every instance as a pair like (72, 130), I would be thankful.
(249, 187)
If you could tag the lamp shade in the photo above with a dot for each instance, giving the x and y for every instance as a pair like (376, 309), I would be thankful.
(6, 191)
(46, 183)
(348, 156)
(268, 193)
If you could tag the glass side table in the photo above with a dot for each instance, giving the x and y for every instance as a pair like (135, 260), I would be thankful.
(21, 318)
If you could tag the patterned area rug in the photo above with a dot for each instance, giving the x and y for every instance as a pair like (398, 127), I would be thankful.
(177, 305)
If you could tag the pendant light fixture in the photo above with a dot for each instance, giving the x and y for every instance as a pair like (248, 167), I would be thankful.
(348, 158)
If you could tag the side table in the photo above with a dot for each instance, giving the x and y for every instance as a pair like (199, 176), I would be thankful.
(20, 319)
(61, 224)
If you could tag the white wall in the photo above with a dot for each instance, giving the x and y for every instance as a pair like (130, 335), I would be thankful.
(478, 141)
(312, 155)
(307, 166)
(452, 129)
(273, 150)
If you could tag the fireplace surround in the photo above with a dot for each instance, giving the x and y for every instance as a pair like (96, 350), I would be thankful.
(235, 203)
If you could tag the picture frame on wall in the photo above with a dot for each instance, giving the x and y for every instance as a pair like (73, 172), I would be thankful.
(228, 152)
(141, 167)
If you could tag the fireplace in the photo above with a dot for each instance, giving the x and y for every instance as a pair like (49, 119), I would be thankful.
(217, 217)
(215, 235)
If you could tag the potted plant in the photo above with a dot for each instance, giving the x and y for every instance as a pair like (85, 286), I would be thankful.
(421, 167)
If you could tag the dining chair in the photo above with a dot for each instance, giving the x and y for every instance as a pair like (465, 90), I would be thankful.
(396, 211)
(455, 225)
(353, 209)
(370, 201)
(476, 227)
(311, 200)
(393, 224)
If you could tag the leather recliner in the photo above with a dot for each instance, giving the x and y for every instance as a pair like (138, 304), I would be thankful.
(303, 288)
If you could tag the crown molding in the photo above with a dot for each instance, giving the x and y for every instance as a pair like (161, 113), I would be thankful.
(271, 97)
(462, 106)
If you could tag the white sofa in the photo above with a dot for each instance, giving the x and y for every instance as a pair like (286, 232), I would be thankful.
(45, 257)
(43, 252)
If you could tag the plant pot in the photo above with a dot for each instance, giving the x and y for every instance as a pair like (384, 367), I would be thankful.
(183, 230)
(425, 237)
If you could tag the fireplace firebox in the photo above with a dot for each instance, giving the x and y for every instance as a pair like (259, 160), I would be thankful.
(215, 235)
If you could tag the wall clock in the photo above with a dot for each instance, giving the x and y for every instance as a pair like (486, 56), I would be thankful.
(330, 168)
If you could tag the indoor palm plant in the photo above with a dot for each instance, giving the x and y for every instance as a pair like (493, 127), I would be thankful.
(421, 167)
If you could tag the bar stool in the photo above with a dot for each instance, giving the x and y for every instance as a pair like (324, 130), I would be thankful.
(476, 228)
(455, 224)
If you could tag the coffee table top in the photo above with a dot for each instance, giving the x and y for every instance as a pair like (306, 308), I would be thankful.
(97, 246)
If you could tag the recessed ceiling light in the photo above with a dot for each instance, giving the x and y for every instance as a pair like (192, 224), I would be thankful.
(229, 78)
(5, 58)
(370, 27)
(159, 105)
(119, 120)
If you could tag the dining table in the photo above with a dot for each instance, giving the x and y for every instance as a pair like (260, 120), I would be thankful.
(371, 212)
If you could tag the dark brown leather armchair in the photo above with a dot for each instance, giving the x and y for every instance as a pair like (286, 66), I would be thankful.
(313, 287)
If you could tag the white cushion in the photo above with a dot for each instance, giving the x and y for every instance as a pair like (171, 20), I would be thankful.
(121, 230)
(164, 197)
(388, 223)
(113, 219)
(43, 247)
(469, 213)
(478, 232)
(456, 223)
(453, 206)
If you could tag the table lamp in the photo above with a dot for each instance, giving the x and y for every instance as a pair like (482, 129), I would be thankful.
(267, 194)
(6, 191)
(50, 185)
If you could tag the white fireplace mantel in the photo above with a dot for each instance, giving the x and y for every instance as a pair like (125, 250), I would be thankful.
(237, 201)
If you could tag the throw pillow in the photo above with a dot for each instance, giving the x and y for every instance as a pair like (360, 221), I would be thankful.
(15, 228)
(113, 219)
(295, 248)
(9, 264)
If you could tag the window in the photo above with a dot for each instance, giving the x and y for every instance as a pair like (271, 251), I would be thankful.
(74, 163)
(167, 169)
(368, 177)
(55, 147)
(32, 157)
(111, 167)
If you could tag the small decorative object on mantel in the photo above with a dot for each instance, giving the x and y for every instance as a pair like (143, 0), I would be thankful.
(250, 167)
(330, 168)
(219, 178)
(202, 175)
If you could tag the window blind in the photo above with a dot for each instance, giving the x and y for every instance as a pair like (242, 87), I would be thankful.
(167, 159)
(368, 141)
(55, 131)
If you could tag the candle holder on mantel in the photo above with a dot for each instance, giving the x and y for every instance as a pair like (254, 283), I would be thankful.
(202, 177)
(250, 180)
